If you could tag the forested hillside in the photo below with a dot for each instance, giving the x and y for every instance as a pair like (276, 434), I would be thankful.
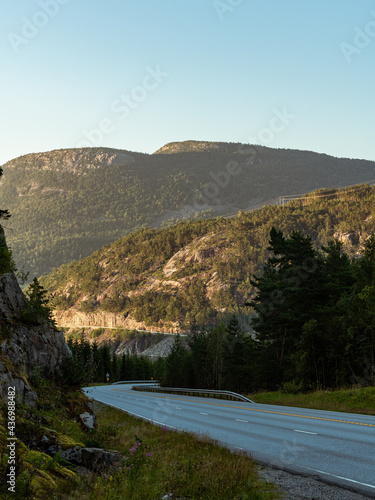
(201, 271)
(66, 204)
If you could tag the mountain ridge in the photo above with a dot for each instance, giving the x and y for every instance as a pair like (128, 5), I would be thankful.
(65, 204)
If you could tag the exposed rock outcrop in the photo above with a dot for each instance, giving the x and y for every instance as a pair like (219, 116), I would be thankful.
(12, 300)
(139, 347)
(161, 349)
(348, 239)
(72, 318)
(22, 347)
(94, 459)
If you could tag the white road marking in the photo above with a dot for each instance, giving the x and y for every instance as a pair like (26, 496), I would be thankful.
(239, 420)
(339, 477)
(306, 432)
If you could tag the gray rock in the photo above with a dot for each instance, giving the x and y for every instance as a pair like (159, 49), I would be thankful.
(12, 300)
(88, 420)
(25, 347)
(44, 440)
(94, 459)
(73, 455)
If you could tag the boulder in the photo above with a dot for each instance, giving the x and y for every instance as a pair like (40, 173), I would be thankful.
(94, 459)
(88, 420)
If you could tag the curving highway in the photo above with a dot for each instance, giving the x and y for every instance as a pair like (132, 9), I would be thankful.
(337, 447)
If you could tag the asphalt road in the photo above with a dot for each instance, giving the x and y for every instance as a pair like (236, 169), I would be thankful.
(337, 447)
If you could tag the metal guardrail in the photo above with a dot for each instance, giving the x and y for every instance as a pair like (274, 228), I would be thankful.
(191, 392)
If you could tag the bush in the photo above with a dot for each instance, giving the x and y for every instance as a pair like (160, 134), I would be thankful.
(291, 387)
(88, 306)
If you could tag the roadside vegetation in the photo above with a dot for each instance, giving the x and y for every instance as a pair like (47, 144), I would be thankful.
(156, 461)
(40, 430)
(164, 463)
(350, 400)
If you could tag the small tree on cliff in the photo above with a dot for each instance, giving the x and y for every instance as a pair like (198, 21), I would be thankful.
(6, 259)
(38, 309)
(4, 214)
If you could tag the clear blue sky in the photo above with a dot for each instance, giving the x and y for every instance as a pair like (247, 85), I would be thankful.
(148, 72)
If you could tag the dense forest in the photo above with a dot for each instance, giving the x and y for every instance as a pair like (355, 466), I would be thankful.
(66, 204)
(314, 328)
(314, 325)
(92, 363)
(202, 271)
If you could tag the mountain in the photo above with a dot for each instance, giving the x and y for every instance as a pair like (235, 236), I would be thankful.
(65, 204)
(198, 271)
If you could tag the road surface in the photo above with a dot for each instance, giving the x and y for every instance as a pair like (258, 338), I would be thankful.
(337, 447)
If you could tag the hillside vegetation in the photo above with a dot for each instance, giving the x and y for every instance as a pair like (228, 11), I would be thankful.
(201, 271)
(66, 204)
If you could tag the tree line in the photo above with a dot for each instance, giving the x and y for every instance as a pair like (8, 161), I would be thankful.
(314, 325)
(90, 363)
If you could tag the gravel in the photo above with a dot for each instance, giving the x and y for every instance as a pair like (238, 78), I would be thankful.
(297, 487)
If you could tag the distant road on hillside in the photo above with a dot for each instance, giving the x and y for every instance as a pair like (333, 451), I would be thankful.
(282, 200)
(117, 327)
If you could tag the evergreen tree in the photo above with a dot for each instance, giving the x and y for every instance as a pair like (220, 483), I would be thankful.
(198, 343)
(299, 317)
(288, 291)
(215, 340)
(175, 364)
(138, 369)
(126, 367)
(99, 373)
(115, 368)
(237, 358)
(148, 368)
(160, 370)
(38, 309)
(105, 354)
(358, 318)
(4, 214)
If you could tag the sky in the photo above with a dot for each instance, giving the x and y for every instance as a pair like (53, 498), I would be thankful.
(137, 74)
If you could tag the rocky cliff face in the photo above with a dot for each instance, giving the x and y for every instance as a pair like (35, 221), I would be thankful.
(24, 348)
(199, 147)
(72, 318)
(76, 161)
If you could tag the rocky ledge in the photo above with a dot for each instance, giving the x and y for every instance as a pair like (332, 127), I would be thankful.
(23, 348)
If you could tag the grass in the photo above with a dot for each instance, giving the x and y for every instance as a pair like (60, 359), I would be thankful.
(164, 462)
(180, 465)
(354, 400)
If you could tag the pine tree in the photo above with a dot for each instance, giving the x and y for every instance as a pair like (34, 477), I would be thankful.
(126, 367)
(38, 309)
(115, 368)
(175, 364)
(105, 354)
(237, 358)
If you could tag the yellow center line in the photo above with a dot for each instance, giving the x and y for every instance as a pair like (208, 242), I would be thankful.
(254, 409)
